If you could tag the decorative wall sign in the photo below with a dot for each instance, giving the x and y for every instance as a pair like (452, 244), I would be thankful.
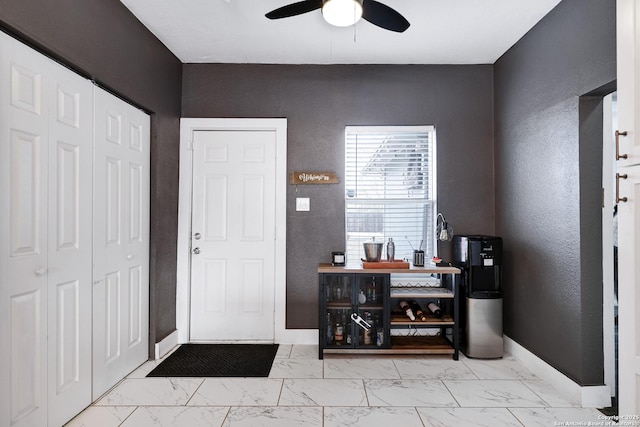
(313, 178)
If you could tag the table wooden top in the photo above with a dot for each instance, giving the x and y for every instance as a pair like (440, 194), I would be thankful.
(433, 269)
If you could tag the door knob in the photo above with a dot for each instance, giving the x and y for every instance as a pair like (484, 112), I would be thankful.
(197, 236)
(196, 251)
(39, 272)
(129, 257)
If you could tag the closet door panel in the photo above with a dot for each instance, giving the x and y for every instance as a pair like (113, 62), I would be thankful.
(23, 235)
(26, 193)
(137, 232)
(70, 244)
(121, 242)
(27, 344)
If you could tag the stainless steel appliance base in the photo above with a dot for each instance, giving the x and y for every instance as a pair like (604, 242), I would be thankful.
(484, 328)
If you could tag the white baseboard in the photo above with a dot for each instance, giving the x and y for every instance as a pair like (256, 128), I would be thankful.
(164, 346)
(587, 396)
(297, 336)
(283, 336)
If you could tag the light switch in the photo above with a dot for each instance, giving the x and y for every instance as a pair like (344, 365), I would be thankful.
(303, 204)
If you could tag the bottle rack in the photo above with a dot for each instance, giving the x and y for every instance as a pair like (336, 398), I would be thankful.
(341, 297)
(439, 343)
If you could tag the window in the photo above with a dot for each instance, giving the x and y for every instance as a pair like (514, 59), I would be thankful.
(390, 188)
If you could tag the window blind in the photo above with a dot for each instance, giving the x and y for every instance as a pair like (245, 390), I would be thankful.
(390, 189)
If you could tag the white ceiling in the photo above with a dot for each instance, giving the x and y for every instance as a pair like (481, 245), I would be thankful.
(441, 32)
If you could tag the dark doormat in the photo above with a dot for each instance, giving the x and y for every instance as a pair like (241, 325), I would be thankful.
(218, 360)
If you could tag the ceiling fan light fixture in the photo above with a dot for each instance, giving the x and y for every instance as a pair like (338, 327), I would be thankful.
(342, 13)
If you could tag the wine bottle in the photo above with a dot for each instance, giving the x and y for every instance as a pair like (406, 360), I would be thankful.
(435, 309)
(417, 310)
(367, 332)
(329, 329)
(379, 331)
(407, 310)
(339, 333)
(371, 291)
(367, 337)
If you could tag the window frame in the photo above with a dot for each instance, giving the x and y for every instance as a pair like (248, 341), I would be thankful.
(430, 199)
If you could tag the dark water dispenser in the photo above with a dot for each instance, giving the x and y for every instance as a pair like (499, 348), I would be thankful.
(480, 259)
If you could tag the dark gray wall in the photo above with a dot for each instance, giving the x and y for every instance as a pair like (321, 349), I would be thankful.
(543, 161)
(102, 40)
(319, 101)
(548, 184)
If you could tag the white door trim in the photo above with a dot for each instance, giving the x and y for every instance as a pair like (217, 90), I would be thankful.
(187, 128)
(608, 184)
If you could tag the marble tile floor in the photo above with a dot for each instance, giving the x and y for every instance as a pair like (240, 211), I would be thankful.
(354, 391)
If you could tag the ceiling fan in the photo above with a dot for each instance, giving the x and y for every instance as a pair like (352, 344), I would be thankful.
(343, 13)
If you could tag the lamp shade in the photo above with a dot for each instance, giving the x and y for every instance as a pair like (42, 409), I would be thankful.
(342, 13)
(444, 231)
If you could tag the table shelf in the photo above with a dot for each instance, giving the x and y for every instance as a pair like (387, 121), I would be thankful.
(402, 320)
(421, 292)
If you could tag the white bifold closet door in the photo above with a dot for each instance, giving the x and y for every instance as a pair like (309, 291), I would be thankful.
(121, 242)
(74, 239)
(46, 150)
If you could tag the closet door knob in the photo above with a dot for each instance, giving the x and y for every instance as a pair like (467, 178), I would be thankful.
(39, 272)
(129, 257)
(196, 251)
(618, 135)
(618, 178)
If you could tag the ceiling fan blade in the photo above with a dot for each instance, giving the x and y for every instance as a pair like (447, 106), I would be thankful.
(383, 16)
(294, 9)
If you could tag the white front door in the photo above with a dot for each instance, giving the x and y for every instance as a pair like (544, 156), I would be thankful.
(121, 241)
(233, 235)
